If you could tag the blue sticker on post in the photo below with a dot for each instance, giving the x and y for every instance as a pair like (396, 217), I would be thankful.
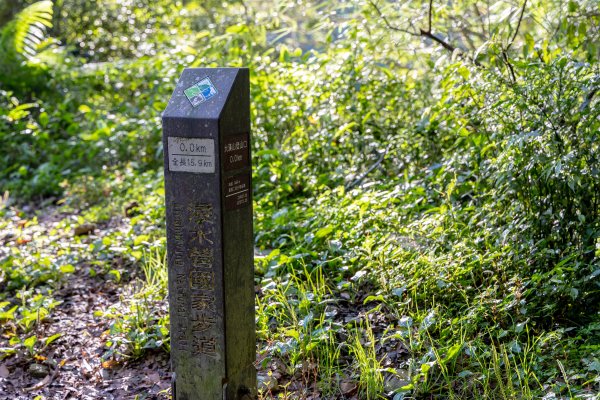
(200, 92)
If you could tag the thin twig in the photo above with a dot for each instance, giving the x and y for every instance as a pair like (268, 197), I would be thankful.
(388, 23)
(509, 65)
(430, 14)
(518, 25)
(588, 99)
(505, 50)
(376, 164)
(44, 382)
(481, 20)
(427, 33)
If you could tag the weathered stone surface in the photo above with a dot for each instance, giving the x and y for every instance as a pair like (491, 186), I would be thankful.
(206, 139)
(84, 229)
(38, 370)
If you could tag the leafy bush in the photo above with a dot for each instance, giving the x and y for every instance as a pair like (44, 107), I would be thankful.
(545, 171)
(117, 29)
(443, 203)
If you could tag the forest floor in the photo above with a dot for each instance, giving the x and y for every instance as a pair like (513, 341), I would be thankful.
(72, 366)
(65, 311)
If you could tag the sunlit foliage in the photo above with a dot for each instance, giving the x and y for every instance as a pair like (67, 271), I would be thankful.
(431, 166)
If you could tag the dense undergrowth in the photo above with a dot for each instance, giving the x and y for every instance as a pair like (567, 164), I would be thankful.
(426, 224)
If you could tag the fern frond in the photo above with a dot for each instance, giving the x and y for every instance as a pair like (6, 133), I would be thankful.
(27, 30)
(31, 24)
(23, 43)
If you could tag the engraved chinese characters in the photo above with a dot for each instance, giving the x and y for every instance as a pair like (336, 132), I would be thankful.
(195, 294)
(208, 195)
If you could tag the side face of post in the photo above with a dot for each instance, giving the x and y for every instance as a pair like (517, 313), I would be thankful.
(208, 181)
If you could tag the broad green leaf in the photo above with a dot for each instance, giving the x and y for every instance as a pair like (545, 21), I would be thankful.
(30, 342)
(52, 338)
(323, 232)
(67, 269)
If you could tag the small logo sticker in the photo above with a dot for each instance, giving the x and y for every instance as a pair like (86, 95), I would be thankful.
(200, 92)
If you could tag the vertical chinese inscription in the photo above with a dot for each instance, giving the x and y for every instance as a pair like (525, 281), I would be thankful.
(201, 279)
(195, 297)
(178, 264)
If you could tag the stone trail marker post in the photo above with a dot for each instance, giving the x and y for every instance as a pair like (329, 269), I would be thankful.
(208, 193)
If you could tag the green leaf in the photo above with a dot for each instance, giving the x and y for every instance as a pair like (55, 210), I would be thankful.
(529, 44)
(20, 112)
(30, 342)
(8, 315)
(520, 326)
(574, 293)
(84, 109)
(140, 239)
(136, 254)
(67, 269)
(44, 119)
(323, 232)
(373, 298)
(237, 29)
(116, 274)
(52, 338)
(452, 352)
(573, 6)
(7, 351)
(273, 254)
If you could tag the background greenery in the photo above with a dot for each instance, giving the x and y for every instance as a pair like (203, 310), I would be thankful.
(429, 167)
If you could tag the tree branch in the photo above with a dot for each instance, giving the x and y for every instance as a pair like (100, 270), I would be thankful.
(430, 15)
(505, 50)
(421, 32)
(518, 25)
(438, 40)
(588, 99)
(509, 65)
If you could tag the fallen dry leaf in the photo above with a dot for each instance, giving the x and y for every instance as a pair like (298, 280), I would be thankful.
(21, 241)
(4, 372)
(348, 387)
(108, 364)
(153, 377)
(86, 368)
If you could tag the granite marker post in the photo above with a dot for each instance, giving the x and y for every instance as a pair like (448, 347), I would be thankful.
(208, 193)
